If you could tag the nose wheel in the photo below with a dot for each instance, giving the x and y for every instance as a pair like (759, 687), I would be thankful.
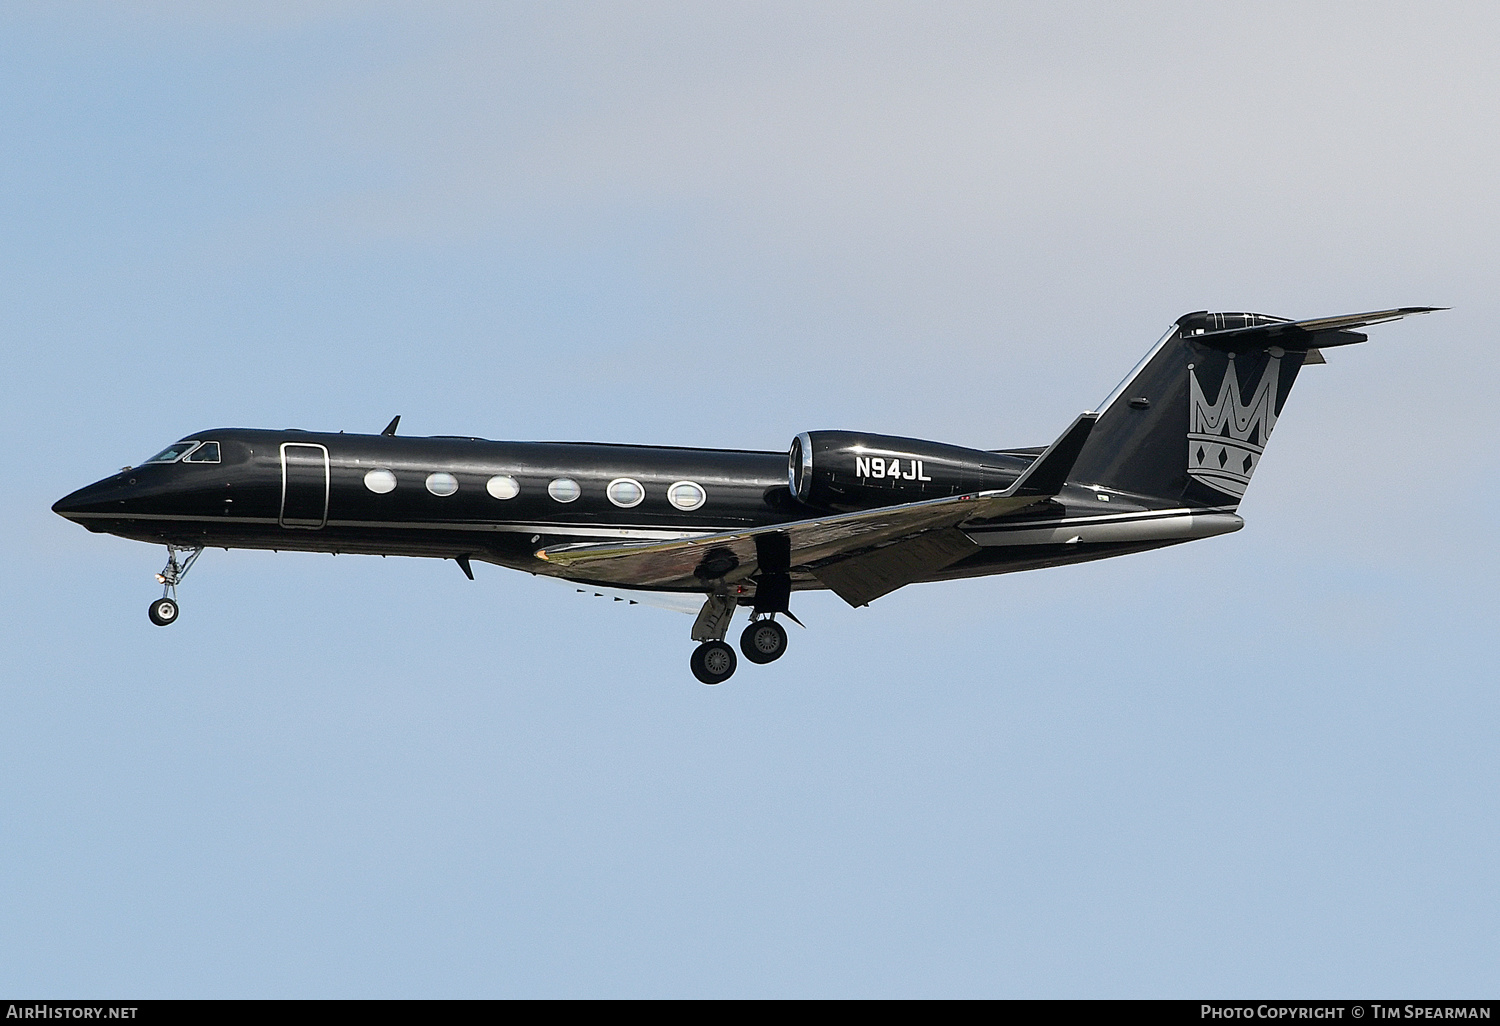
(164, 610)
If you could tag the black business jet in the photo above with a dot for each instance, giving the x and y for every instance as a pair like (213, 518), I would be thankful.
(1165, 459)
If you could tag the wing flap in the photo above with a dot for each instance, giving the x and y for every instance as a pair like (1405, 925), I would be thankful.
(861, 579)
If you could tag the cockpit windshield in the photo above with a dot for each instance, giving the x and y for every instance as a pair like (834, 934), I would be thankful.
(172, 453)
(208, 452)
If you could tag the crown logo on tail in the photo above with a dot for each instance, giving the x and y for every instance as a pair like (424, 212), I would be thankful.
(1225, 437)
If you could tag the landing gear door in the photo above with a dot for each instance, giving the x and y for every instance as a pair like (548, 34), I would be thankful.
(304, 485)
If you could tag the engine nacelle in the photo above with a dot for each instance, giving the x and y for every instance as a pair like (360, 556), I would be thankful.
(851, 470)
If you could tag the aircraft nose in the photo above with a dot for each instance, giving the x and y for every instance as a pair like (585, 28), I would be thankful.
(89, 499)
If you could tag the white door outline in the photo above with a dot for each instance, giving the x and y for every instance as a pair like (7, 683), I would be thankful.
(305, 522)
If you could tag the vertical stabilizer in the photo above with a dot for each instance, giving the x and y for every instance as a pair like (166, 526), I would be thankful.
(1189, 425)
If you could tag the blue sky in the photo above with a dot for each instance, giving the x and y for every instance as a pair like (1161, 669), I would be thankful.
(1262, 763)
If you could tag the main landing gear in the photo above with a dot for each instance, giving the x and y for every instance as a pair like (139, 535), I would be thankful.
(163, 611)
(764, 641)
(714, 661)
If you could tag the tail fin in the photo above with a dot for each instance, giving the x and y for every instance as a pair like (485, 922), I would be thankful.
(1189, 424)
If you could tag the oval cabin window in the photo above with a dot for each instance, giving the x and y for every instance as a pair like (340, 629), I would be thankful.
(502, 486)
(380, 481)
(687, 495)
(564, 489)
(625, 492)
(442, 484)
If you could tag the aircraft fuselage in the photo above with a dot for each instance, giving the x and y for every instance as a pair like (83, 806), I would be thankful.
(274, 490)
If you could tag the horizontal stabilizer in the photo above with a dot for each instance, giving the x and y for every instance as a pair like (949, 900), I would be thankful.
(1257, 330)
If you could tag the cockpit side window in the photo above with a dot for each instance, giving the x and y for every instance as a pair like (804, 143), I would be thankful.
(173, 452)
(208, 452)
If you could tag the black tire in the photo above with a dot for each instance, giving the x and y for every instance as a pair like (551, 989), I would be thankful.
(163, 612)
(713, 662)
(764, 641)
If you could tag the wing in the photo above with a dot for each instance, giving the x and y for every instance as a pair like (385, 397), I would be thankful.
(819, 543)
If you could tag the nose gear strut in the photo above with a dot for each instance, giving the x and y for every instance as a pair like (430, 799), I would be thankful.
(163, 611)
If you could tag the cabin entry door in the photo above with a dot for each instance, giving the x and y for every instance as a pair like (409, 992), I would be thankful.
(304, 485)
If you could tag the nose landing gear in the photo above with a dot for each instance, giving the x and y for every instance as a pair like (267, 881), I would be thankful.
(163, 611)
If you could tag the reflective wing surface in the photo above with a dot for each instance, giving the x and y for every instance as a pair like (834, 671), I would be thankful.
(823, 545)
(733, 556)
